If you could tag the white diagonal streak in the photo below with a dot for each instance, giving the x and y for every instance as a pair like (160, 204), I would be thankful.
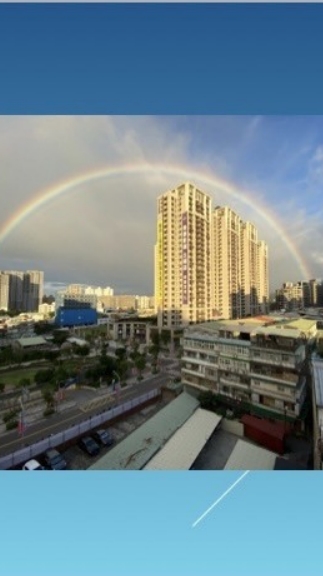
(219, 499)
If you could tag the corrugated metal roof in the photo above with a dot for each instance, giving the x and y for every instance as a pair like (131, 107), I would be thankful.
(183, 448)
(32, 341)
(318, 381)
(138, 448)
(246, 456)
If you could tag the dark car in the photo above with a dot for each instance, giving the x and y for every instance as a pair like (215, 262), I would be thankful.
(103, 437)
(54, 460)
(89, 445)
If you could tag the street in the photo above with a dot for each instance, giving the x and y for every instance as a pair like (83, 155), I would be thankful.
(11, 441)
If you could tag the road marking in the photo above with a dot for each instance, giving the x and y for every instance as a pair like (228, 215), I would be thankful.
(219, 499)
(54, 425)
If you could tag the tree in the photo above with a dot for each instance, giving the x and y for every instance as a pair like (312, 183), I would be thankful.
(48, 396)
(81, 350)
(60, 336)
(51, 355)
(165, 337)
(43, 376)
(121, 353)
(140, 363)
(24, 383)
(122, 368)
(2, 386)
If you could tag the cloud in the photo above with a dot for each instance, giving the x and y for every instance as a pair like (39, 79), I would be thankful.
(104, 232)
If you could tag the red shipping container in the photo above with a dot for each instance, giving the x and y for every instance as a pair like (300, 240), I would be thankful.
(268, 434)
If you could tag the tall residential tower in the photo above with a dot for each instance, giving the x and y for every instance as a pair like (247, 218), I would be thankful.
(208, 263)
(183, 283)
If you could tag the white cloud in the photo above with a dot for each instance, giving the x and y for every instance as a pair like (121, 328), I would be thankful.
(104, 232)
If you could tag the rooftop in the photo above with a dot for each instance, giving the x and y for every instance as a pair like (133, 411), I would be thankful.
(32, 341)
(302, 324)
(136, 450)
(246, 456)
(282, 332)
(184, 446)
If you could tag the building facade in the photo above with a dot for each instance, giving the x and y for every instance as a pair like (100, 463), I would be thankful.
(4, 291)
(183, 268)
(240, 263)
(25, 290)
(33, 291)
(260, 366)
(296, 295)
(208, 263)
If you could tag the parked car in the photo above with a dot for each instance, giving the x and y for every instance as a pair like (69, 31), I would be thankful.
(54, 460)
(89, 445)
(104, 437)
(33, 465)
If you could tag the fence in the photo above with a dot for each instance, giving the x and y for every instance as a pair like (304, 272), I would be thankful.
(74, 431)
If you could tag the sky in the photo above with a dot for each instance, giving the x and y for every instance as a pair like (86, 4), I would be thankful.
(102, 232)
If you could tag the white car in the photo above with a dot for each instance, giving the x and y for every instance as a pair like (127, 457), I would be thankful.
(32, 465)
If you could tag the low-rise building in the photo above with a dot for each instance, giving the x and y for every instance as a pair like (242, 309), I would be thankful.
(256, 366)
(317, 398)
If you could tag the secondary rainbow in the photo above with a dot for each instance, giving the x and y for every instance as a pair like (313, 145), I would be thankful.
(63, 187)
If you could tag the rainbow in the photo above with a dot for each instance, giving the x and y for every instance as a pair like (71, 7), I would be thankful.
(58, 189)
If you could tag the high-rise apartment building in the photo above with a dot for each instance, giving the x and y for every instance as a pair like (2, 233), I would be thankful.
(33, 283)
(25, 290)
(4, 291)
(227, 262)
(208, 263)
(16, 289)
(183, 283)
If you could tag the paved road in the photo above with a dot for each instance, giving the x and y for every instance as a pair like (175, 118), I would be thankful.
(59, 422)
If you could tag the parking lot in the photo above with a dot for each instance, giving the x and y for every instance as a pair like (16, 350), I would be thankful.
(78, 460)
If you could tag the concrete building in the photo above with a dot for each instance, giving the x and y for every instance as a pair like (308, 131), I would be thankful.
(317, 400)
(98, 291)
(46, 309)
(241, 284)
(33, 290)
(248, 362)
(16, 280)
(207, 264)
(25, 289)
(129, 329)
(75, 299)
(297, 295)
(183, 286)
(4, 291)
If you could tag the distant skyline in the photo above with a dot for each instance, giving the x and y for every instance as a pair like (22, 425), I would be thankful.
(101, 231)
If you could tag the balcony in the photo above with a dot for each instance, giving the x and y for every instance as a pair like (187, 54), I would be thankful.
(275, 376)
(234, 384)
(274, 361)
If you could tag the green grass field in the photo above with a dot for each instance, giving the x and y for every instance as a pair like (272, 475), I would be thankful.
(13, 377)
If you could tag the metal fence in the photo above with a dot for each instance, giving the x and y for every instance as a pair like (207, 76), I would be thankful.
(59, 438)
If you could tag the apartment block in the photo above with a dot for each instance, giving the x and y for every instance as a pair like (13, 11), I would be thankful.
(25, 290)
(208, 263)
(248, 362)
(75, 298)
(4, 291)
(295, 295)
(33, 283)
(183, 270)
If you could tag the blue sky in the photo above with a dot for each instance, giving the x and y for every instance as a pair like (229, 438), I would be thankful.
(104, 232)
(120, 523)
